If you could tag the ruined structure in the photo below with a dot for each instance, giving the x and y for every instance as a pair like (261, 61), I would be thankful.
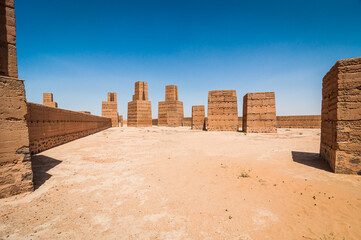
(222, 110)
(198, 117)
(16, 175)
(341, 117)
(121, 121)
(299, 121)
(140, 109)
(50, 127)
(259, 112)
(110, 109)
(48, 100)
(170, 111)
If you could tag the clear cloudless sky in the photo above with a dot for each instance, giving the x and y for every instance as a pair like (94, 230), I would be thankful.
(81, 49)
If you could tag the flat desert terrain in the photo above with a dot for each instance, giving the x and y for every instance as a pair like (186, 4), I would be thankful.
(175, 183)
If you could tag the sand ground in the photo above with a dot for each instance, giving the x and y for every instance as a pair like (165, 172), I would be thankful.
(175, 183)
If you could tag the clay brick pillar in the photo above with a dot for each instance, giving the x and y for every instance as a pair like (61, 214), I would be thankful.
(341, 117)
(222, 110)
(121, 122)
(198, 117)
(110, 109)
(259, 112)
(16, 175)
(170, 111)
(140, 109)
(48, 100)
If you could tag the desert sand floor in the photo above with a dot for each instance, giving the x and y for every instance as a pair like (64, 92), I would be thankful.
(175, 183)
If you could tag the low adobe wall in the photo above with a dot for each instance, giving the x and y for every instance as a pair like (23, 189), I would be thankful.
(187, 122)
(300, 121)
(50, 127)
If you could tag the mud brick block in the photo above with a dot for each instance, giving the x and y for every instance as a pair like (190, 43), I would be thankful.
(198, 117)
(300, 121)
(48, 100)
(259, 112)
(341, 117)
(222, 111)
(140, 109)
(170, 111)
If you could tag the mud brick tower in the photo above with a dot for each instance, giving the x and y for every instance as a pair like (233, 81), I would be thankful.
(48, 100)
(222, 110)
(198, 116)
(16, 175)
(341, 117)
(259, 112)
(170, 111)
(121, 121)
(110, 109)
(140, 109)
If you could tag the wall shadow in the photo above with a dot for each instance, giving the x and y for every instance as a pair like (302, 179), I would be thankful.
(41, 164)
(310, 159)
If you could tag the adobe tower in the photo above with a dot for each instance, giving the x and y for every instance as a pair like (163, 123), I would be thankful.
(170, 111)
(110, 109)
(140, 109)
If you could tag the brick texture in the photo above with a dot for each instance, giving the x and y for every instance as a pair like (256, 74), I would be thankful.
(170, 111)
(8, 56)
(140, 109)
(16, 175)
(50, 127)
(48, 100)
(187, 122)
(300, 121)
(222, 110)
(110, 109)
(198, 117)
(341, 117)
(259, 112)
(121, 121)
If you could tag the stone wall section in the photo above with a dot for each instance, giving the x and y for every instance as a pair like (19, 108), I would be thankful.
(16, 175)
(110, 109)
(170, 111)
(299, 121)
(259, 112)
(50, 127)
(140, 109)
(198, 117)
(222, 110)
(341, 117)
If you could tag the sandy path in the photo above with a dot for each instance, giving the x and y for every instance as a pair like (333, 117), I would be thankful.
(174, 183)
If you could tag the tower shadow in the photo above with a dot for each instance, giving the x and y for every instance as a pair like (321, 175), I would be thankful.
(41, 164)
(310, 159)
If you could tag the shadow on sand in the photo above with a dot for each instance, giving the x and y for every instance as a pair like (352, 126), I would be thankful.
(310, 159)
(41, 165)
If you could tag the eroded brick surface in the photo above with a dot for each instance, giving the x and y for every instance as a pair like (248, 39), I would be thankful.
(341, 117)
(198, 117)
(222, 110)
(140, 109)
(50, 127)
(110, 109)
(170, 111)
(16, 175)
(187, 122)
(299, 121)
(259, 112)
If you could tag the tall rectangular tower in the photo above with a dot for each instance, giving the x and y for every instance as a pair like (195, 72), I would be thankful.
(341, 117)
(16, 175)
(170, 111)
(222, 110)
(48, 100)
(140, 109)
(110, 109)
(259, 112)
(198, 117)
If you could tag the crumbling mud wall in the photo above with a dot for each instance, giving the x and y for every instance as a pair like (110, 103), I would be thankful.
(110, 109)
(341, 117)
(300, 121)
(222, 110)
(170, 111)
(140, 109)
(48, 100)
(187, 122)
(50, 127)
(259, 112)
(16, 175)
(198, 117)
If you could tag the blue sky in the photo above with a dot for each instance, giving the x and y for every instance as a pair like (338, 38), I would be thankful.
(82, 49)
